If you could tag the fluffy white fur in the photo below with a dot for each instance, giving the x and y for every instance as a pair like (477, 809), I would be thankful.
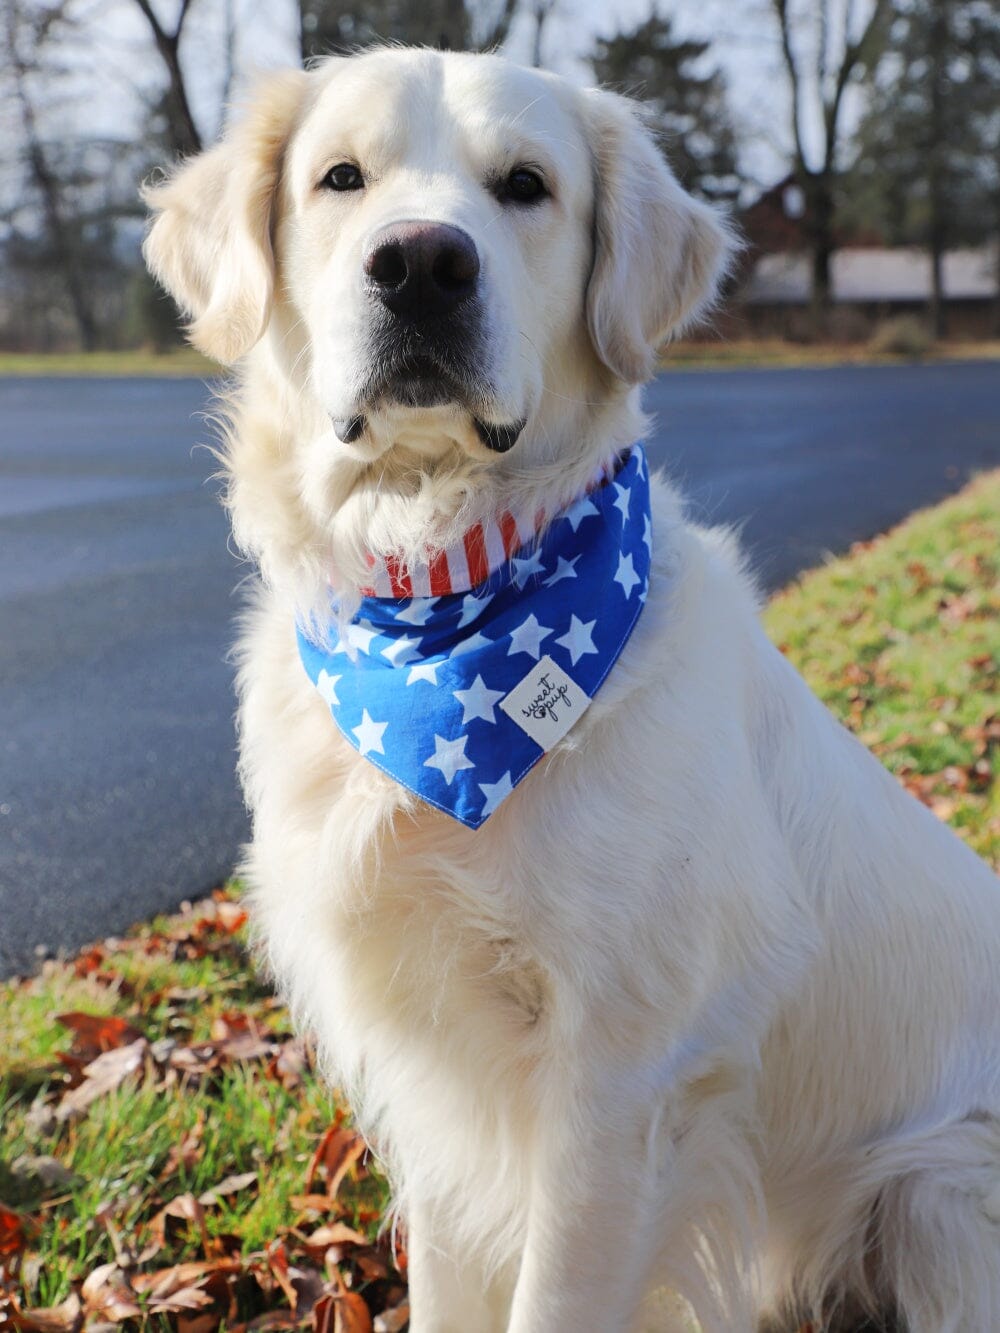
(710, 1005)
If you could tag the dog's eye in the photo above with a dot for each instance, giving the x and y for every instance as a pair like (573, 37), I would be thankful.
(523, 185)
(344, 176)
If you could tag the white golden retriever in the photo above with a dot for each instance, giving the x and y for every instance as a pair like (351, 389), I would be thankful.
(709, 1005)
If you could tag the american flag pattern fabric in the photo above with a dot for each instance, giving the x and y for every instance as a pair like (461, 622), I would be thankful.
(459, 568)
(458, 695)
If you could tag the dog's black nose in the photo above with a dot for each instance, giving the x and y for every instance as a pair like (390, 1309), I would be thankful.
(422, 269)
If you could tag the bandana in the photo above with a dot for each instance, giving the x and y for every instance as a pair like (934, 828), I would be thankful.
(458, 696)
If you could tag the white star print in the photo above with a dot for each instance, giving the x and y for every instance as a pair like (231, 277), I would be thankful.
(478, 701)
(527, 638)
(419, 611)
(355, 637)
(495, 793)
(622, 503)
(471, 607)
(583, 508)
(425, 671)
(370, 734)
(578, 639)
(523, 569)
(402, 650)
(449, 757)
(626, 574)
(647, 531)
(564, 570)
(327, 686)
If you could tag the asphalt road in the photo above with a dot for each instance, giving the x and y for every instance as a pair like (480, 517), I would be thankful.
(117, 592)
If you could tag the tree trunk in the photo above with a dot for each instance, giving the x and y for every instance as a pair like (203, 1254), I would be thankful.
(938, 230)
(818, 191)
(939, 319)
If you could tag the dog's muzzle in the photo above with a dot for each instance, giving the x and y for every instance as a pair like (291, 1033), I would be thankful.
(426, 344)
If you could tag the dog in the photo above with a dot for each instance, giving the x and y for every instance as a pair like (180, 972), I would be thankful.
(699, 1012)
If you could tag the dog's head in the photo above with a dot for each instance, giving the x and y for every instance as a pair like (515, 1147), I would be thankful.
(454, 264)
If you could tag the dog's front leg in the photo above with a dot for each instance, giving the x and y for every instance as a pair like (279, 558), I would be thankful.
(449, 1288)
(594, 1215)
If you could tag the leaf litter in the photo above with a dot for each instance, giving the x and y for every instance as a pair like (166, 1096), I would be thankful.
(164, 1252)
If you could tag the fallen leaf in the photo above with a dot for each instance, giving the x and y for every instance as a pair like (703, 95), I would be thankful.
(64, 1318)
(391, 1321)
(231, 1185)
(168, 1280)
(108, 1293)
(317, 1203)
(230, 916)
(351, 1314)
(13, 1236)
(337, 1233)
(102, 1076)
(200, 1323)
(290, 1064)
(43, 1172)
(338, 1150)
(95, 1033)
(185, 1208)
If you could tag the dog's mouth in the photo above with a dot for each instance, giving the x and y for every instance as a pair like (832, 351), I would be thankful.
(417, 373)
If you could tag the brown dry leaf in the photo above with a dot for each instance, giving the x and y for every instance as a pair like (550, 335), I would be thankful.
(101, 1076)
(337, 1152)
(199, 1323)
(351, 1314)
(290, 1064)
(230, 1185)
(13, 1232)
(168, 1280)
(323, 1315)
(107, 1292)
(317, 1203)
(337, 1233)
(95, 1033)
(392, 1321)
(185, 1208)
(64, 1318)
(229, 916)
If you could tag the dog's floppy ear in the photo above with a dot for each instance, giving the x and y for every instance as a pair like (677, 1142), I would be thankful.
(659, 254)
(210, 242)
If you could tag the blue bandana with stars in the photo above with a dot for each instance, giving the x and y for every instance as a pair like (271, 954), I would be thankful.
(458, 697)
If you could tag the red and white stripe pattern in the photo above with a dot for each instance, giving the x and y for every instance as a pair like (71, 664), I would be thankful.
(482, 550)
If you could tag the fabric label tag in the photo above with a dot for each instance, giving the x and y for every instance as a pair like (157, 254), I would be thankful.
(546, 703)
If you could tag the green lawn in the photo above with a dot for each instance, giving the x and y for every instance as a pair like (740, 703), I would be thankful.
(748, 353)
(901, 638)
(182, 361)
(196, 1175)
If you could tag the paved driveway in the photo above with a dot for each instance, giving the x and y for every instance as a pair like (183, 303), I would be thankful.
(117, 795)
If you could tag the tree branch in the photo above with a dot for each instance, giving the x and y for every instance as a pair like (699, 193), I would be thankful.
(781, 10)
(855, 54)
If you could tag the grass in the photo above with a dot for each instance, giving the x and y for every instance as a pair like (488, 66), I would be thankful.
(901, 637)
(183, 361)
(211, 1102)
(776, 353)
(746, 353)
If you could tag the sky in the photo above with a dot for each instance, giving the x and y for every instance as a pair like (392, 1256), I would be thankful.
(743, 35)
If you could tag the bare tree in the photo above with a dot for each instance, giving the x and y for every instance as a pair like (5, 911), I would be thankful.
(835, 66)
(541, 12)
(457, 25)
(27, 31)
(182, 131)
